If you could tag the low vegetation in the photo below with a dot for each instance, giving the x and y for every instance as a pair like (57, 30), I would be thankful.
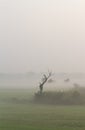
(49, 110)
(75, 96)
(18, 113)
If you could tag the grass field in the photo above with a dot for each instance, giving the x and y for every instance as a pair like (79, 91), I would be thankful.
(17, 113)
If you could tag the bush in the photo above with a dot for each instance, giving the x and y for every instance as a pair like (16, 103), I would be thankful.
(63, 98)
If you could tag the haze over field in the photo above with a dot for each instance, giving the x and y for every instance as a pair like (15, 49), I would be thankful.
(42, 64)
(41, 35)
(32, 79)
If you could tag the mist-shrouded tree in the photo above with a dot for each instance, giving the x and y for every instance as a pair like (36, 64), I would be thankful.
(44, 80)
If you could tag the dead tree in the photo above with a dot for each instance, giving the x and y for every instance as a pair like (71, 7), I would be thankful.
(44, 80)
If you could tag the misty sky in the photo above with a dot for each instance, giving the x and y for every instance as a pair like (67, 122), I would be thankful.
(37, 35)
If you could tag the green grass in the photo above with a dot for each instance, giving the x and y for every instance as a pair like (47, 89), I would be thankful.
(29, 116)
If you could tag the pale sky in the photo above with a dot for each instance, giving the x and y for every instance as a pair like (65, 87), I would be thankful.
(37, 35)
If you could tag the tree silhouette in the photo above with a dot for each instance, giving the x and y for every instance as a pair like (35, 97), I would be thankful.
(43, 81)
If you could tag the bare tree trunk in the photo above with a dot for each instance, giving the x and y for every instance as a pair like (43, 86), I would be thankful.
(44, 80)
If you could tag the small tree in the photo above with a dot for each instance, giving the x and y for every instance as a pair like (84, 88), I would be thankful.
(43, 81)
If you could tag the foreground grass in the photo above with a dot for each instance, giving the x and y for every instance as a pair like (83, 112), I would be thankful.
(28, 116)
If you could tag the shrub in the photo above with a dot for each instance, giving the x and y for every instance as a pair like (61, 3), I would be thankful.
(60, 97)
